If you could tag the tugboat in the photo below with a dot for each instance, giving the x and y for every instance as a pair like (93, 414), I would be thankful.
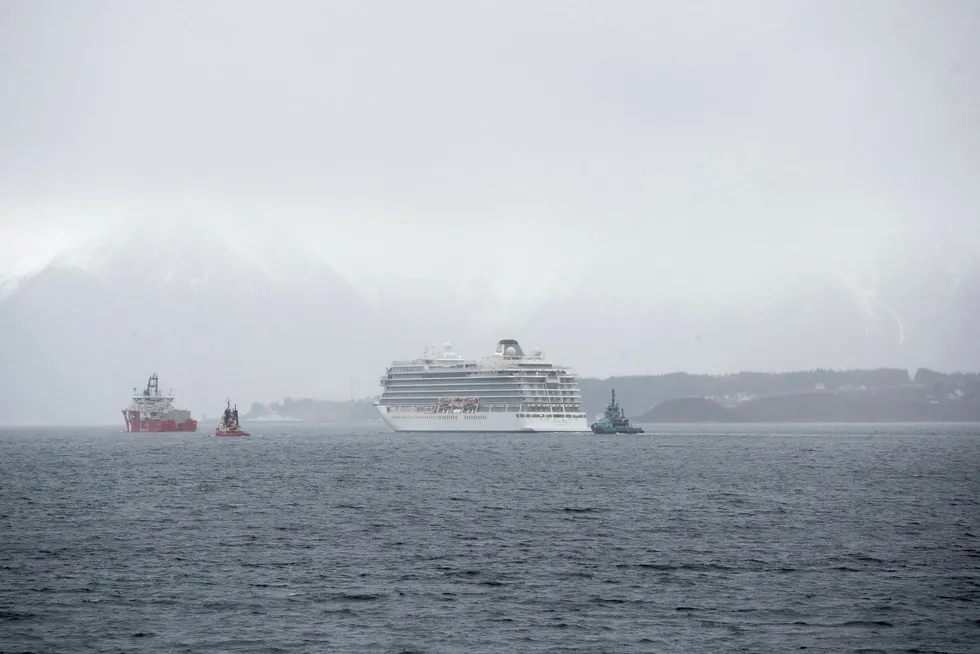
(614, 420)
(228, 425)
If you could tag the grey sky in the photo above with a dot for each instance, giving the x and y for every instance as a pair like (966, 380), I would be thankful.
(764, 185)
(756, 135)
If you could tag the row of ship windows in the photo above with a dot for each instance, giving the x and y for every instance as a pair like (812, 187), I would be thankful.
(472, 370)
(434, 378)
(495, 408)
(467, 392)
(568, 416)
(482, 383)
(447, 417)
(475, 367)
(478, 374)
(479, 393)
(493, 385)
(490, 381)
(524, 375)
(466, 387)
(413, 363)
(422, 401)
(470, 389)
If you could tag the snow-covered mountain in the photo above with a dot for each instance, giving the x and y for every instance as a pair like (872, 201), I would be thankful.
(23, 253)
(205, 315)
(216, 318)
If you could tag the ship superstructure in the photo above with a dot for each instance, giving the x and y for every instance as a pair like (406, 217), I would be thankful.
(152, 411)
(508, 391)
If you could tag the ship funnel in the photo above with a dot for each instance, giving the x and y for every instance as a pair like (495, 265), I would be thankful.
(509, 347)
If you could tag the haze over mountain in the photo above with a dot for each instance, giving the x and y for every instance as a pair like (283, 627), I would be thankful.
(215, 318)
(261, 201)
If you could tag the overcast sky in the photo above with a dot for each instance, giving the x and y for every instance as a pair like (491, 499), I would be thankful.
(718, 135)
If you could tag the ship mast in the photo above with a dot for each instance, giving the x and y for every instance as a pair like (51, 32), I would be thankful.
(150, 402)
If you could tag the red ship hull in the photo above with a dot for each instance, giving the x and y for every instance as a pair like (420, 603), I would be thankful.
(220, 432)
(134, 423)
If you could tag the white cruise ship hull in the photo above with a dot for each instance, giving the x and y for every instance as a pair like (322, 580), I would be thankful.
(499, 421)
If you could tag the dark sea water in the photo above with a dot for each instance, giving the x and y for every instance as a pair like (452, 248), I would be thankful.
(315, 539)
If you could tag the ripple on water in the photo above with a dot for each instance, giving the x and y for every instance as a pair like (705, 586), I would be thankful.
(306, 538)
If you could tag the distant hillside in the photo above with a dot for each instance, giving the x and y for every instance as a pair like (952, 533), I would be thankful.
(688, 409)
(818, 407)
(639, 394)
(315, 410)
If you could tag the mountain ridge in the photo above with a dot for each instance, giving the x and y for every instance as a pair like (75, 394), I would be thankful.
(214, 320)
(217, 328)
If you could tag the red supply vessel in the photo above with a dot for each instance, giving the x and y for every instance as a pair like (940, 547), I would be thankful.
(153, 412)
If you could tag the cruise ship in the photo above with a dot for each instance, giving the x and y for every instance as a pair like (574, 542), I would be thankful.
(509, 391)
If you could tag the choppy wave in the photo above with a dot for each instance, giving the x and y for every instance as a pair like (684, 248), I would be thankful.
(299, 539)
